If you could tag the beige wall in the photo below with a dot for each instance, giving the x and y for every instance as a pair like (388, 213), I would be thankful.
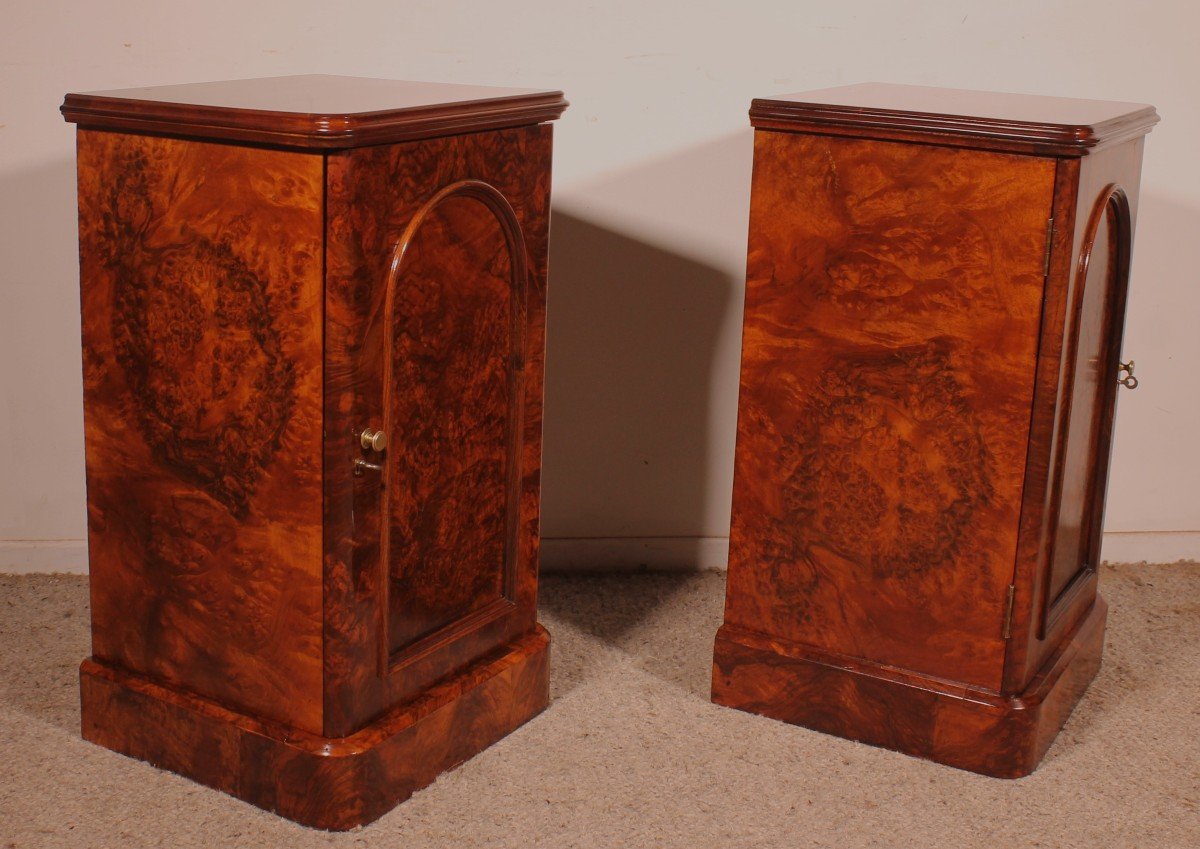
(651, 179)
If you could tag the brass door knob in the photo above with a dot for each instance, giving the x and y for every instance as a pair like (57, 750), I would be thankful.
(1128, 381)
(373, 440)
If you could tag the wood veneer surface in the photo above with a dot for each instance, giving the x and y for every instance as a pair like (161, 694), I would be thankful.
(373, 194)
(1040, 619)
(453, 316)
(275, 614)
(204, 483)
(893, 304)
(312, 111)
(335, 784)
(1001, 121)
(1000, 736)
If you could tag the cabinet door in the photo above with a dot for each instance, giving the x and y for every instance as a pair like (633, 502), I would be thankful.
(434, 333)
(453, 333)
(1088, 384)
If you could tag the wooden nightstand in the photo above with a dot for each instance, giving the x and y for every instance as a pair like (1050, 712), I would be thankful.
(313, 325)
(934, 305)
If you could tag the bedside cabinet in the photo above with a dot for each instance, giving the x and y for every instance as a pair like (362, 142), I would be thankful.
(313, 325)
(934, 305)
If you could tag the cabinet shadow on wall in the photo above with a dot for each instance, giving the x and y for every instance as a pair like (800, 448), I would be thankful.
(644, 328)
(631, 339)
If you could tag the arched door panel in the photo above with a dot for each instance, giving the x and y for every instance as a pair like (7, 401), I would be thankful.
(1089, 381)
(453, 346)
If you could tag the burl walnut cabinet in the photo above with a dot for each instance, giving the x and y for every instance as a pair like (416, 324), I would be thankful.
(934, 305)
(313, 325)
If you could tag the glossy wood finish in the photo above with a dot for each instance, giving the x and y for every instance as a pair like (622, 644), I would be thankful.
(312, 111)
(374, 195)
(1086, 187)
(334, 784)
(455, 306)
(201, 302)
(312, 625)
(1018, 123)
(924, 424)
(999, 735)
(1086, 370)
(880, 447)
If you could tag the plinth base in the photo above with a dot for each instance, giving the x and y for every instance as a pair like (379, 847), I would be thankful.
(1001, 736)
(326, 783)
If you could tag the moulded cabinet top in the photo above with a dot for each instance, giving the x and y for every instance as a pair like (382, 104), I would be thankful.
(1023, 123)
(312, 111)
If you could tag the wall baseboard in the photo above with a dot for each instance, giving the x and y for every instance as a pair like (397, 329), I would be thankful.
(700, 553)
(619, 554)
(23, 556)
(1150, 546)
(625, 554)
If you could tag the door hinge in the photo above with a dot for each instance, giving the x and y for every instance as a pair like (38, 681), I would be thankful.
(1049, 242)
(1008, 610)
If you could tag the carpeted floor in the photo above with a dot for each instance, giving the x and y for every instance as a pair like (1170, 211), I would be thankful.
(632, 754)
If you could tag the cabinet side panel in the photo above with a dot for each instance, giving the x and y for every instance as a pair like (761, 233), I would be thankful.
(892, 311)
(201, 298)
(373, 195)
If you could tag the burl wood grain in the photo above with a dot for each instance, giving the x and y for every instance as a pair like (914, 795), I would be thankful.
(329, 784)
(893, 304)
(455, 320)
(1004, 736)
(1056, 579)
(457, 385)
(201, 299)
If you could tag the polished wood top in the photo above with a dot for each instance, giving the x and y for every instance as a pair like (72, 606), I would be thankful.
(312, 111)
(982, 119)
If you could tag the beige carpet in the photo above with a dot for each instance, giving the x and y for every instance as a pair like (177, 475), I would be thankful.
(631, 753)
